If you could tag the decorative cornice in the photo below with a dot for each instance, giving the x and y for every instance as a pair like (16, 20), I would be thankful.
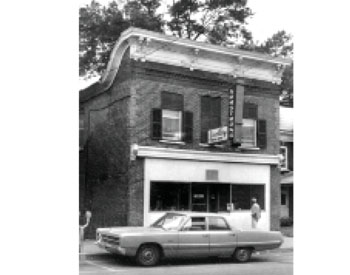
(179, 154)
(156, 47)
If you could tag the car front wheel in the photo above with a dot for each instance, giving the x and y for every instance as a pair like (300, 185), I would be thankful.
(242, 255)
(148, 255)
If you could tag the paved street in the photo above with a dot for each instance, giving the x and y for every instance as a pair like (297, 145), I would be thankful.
(269, 263)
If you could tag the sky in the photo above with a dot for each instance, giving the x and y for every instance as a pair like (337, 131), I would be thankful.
(269, 17)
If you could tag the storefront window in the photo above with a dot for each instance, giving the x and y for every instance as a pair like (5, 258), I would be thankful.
(169, 196)
(204, 197)
(243, 193)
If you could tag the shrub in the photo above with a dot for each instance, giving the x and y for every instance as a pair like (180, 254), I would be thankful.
(286, 221)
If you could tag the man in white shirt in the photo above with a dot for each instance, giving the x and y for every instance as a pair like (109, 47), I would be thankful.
(256, 213)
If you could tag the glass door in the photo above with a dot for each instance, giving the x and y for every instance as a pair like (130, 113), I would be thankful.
(199, 197)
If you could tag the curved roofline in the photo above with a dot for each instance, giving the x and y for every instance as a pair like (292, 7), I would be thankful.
(123, 43)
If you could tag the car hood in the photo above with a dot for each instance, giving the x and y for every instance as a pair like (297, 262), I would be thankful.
(129, 229)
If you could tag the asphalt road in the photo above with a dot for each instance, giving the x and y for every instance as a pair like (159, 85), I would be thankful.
(269, 263)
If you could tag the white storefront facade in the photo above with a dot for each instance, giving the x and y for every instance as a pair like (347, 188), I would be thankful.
(207, 178)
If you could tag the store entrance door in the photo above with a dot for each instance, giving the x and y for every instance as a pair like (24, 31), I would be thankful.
(213, 198)
(199, 197)
(210, 197)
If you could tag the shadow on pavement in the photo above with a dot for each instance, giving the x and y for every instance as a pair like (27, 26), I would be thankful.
(126, 261)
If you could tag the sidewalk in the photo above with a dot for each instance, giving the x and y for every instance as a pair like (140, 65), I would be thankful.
(91, 250)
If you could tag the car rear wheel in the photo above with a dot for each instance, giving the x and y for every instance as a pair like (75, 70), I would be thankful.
(242, 255)
(148, 255)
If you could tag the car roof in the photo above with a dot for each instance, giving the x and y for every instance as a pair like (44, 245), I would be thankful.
(197, 214)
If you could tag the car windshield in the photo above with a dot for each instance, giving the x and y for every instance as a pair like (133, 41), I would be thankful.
(169, 221)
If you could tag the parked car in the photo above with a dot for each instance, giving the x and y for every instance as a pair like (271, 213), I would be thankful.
(186, 235)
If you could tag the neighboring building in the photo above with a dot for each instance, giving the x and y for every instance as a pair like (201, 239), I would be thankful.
(146, 124)
(286, 150)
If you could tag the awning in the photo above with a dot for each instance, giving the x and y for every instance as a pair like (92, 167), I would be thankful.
(287, 178)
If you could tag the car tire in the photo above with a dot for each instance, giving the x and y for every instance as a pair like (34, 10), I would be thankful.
(148, 255)
(242, 255)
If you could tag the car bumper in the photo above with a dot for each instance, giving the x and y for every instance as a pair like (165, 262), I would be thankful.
(115, 249)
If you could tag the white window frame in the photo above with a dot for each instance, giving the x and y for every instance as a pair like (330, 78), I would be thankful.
(171, 114)
(252, 121)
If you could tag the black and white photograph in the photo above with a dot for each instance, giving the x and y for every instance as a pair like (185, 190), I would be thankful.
(186, 139)
(174, 137)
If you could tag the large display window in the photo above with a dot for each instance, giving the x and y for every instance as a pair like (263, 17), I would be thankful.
(204, 197)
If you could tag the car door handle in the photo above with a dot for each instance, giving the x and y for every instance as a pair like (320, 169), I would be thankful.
(205, 235)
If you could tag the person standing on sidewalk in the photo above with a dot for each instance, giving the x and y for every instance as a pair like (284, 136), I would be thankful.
(256, 213)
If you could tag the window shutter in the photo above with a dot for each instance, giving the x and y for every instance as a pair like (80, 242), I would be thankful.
(156, 124)
(188, 126)
(172, 101)
(250, 110)
(210, 115)
(262, 138)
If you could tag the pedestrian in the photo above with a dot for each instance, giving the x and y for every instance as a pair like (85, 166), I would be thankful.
(256, 213)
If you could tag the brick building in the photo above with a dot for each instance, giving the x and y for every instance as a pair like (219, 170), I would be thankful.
(287, 151)
(145, 124)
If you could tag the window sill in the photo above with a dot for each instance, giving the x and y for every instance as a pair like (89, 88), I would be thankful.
(249, 148)
(172, 142)
(243, 211)
(211, 145)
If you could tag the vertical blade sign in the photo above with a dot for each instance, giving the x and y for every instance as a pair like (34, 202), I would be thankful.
(231, 115)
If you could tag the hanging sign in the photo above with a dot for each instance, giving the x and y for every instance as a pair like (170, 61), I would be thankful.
(217, 135)
(231, 115)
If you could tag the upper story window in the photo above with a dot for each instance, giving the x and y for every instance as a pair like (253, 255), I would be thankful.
(171, 122)
(248, 132)
(210, 115)
(253, 129)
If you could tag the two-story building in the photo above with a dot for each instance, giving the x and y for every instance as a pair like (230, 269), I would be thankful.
(180, 125)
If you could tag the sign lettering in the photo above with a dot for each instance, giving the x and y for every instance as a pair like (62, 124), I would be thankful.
(231, 115)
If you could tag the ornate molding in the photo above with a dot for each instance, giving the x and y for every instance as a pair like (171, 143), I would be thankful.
(179, 154)
(192, 55)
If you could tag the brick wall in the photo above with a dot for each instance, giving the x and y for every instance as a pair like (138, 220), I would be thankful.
(106, 189)
(136, 191)
(107, 167)
(146, 94)
(275, 202)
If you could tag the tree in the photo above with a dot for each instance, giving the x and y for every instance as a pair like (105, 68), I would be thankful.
(279, 44)
(287, 95)
(100, 27)
(217, 21)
